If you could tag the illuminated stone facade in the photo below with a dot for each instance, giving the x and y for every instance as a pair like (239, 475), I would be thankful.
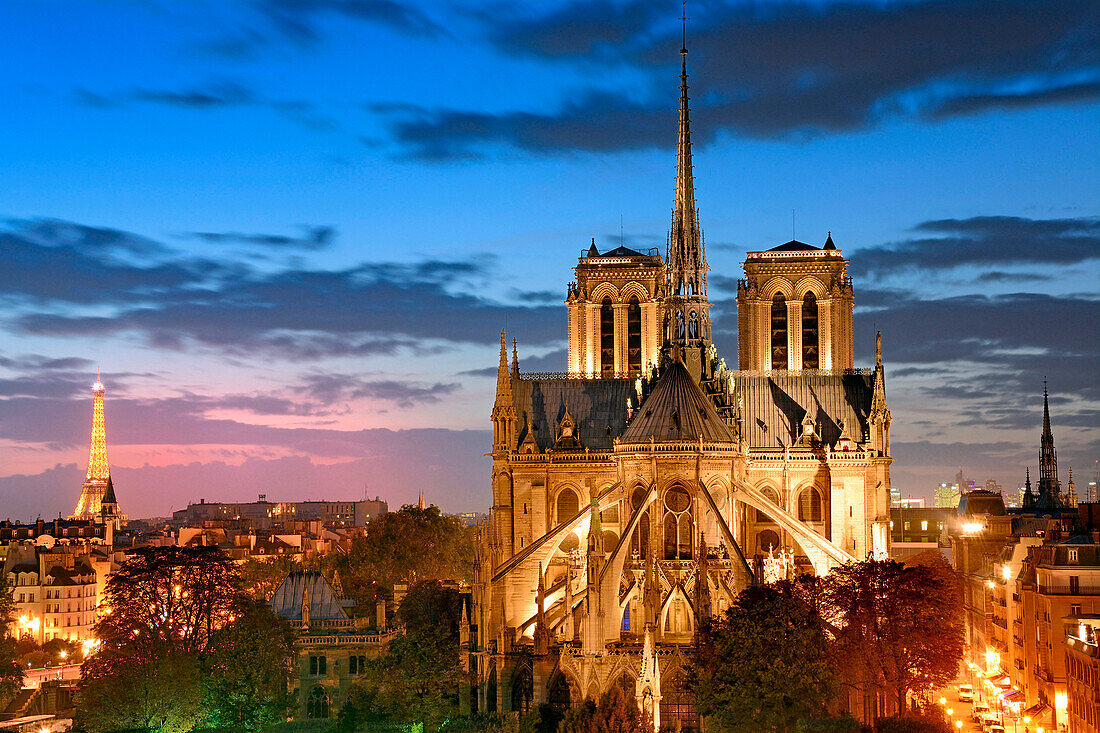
(629, 505)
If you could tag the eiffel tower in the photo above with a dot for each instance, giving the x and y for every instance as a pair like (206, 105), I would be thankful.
(97, 497)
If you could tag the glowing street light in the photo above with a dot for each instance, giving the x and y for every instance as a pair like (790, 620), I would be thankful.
(943, 701)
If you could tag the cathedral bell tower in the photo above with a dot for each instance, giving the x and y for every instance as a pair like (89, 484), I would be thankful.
(686, 308)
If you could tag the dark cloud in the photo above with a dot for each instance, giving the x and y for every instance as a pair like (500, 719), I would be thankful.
(777, 70)
(986, 241)
(330, 387)
(276, 22)
(374, 308)
(37, 362)
(216, 95)
(312, 237)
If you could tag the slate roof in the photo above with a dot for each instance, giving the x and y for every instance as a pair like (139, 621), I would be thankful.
(323, 601)
(794, 246)
(778, 401)
(773, 406)
(677, 409)
(594, 404)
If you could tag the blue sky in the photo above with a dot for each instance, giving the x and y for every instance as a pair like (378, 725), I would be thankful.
(289, 229)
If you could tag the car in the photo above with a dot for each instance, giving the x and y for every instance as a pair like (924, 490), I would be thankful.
(966, 693)
(995, 729)
(980, 708)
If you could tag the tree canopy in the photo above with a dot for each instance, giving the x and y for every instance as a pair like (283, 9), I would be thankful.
(407, 546)
(765, 664)
(11, 672)
(184, 646)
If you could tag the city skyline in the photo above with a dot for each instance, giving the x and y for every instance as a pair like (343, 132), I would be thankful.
(295, 285)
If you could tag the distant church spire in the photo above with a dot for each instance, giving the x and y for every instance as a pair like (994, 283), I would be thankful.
(1048, 459)
(97, 481)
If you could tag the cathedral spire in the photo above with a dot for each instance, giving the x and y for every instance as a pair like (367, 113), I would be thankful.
(687, 264)
(98, 478)
(504, 409)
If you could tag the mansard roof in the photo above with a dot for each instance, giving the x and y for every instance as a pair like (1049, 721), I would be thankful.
(677, 409)
(597, 406)
(775, 404)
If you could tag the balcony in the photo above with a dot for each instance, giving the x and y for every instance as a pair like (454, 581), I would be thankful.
(1065, 590)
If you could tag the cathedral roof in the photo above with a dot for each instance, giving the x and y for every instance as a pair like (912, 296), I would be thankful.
(774, 406)
(597, 406)
(677, 409)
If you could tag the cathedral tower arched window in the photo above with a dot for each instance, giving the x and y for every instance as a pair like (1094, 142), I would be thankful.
(810, 352)
(640, 543)
(523, 689)
(693, 325)
(567, 505)
(779, 332)
(607, 337)
(634, 335)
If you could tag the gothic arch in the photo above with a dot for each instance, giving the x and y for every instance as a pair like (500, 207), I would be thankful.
(570, 506)
(604, 290)
(811, 504)
(779, 285)
(636, 289)
(688, 618)
(523, 688)
(809, 284)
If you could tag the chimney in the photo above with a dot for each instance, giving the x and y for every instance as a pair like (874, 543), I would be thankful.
(380, 614)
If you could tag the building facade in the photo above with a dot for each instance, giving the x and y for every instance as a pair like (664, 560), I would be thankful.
(634, 497)
(332, 647)
(264, 513)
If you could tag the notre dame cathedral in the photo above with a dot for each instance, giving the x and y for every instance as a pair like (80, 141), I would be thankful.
(637, 494)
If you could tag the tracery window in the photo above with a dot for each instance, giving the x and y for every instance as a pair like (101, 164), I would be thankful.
(678, 525)
(779, 332)
(607, 337)
(679, 325)
(767, 540)
(634, 335)
(774, 499)
(640, 541)
(678, 703)
(560, 697)
(693, 325)
(811, 358)
(523, 689)
(317, 704)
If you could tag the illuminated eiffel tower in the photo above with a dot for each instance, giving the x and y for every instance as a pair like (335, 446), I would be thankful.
(97, 497)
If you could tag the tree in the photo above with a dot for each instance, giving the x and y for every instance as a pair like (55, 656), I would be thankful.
(247, 670)
(261, 578)
(159, 694)
(405, 546)
(416, 679)
(900, 626)
(175, 616)
(11, 672)
(431, 606)
(765, 665)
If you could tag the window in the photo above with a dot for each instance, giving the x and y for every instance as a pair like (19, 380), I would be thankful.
(1073, 554)
(607, 337)
(810, 353)
(779, 332)
(678, 526)
(809, 506)
(317, 705)
(634, 335)
(356, 664)
(1075, 610)
(318, 666)
(924, 525)
(1074, 584)
(568, 504)
(907, 526)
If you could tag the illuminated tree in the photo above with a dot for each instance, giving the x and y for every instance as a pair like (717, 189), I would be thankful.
(406, 546)
(11, 672)
(261, 578)
(900, 626)
(765, 665)
(247, 670)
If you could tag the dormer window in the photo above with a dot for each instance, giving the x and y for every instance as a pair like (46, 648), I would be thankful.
(1073, 554)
